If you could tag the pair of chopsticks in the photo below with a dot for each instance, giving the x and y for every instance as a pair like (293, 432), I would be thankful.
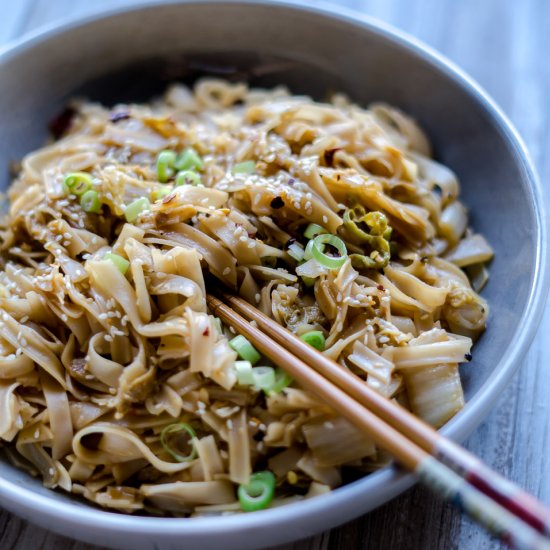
(450, 471)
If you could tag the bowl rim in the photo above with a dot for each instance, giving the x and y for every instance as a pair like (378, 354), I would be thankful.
(22, 499)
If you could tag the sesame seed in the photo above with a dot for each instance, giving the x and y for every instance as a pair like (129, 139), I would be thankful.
(226, 271)
(325, 219)
(257, 298)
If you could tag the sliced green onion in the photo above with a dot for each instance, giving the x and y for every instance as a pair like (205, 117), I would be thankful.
(189, 160)
(78, 182)
(172, 429)
(308, 281)
(307, 252)
(165, 165)
(245, 376)
(218, 323)
(90, 202)
(246, 167)
(312, 230)
(264, 378)
(296, 251)
(259, 492)
(122, 264)
(188, 177)
(158, 194)
(314, 338)
(317, 251)
(134, 209)
(245, 350)
(282, 380)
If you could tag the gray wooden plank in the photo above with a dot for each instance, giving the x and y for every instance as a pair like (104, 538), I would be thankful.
(502, 45)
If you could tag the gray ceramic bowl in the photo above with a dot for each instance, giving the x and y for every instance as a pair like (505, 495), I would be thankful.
(132, 53)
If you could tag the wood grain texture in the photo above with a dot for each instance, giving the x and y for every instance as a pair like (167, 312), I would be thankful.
(504, 45)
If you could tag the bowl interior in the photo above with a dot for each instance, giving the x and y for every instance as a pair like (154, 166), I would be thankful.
(121, 58)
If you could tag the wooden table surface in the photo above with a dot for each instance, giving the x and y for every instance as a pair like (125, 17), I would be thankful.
(505, 46)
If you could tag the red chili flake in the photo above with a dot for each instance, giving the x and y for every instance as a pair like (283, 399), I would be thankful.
(206, 331)
(119, 115)
(277, 203)
(380, 287)
(329, 155)
(61, 122)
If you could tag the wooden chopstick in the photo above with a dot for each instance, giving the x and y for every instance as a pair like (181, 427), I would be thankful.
(425, 436)
(389, 426)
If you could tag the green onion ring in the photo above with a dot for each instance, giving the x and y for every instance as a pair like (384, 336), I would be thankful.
(264, 378)
(90, 202)
(245, 350)
(313, 229)
(282, 380)
(258, 493)
(175, 428)
(317, 250)
(78, 183)
(314, 338)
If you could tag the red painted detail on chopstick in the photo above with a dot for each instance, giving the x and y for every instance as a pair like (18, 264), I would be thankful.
(519, 502)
